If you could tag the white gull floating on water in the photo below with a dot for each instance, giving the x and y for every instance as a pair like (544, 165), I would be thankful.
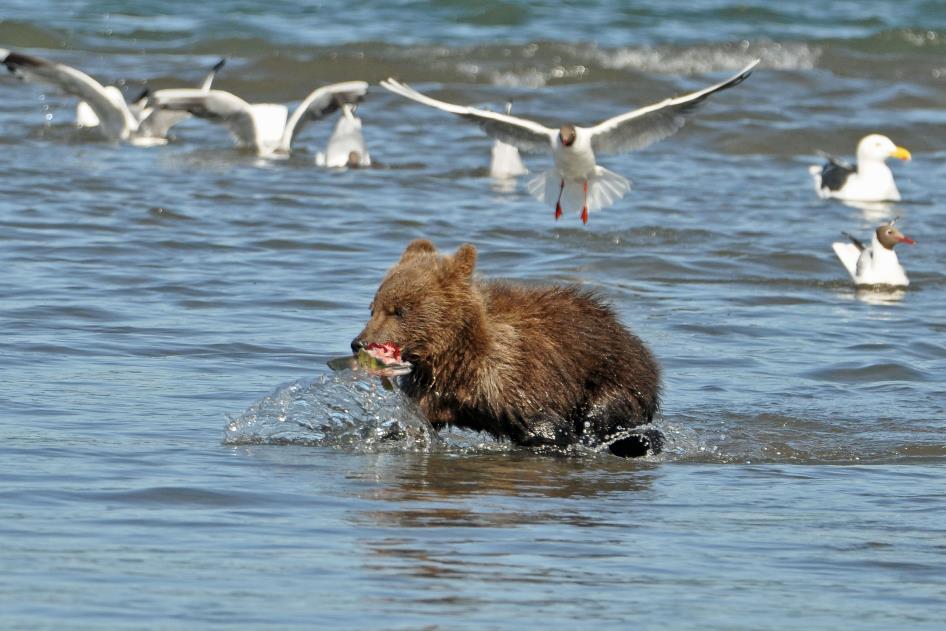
(876, 264)
(577, 182)
(266, 128)
(105, 106)
(505, 161)
(869, 180)
(346, 147)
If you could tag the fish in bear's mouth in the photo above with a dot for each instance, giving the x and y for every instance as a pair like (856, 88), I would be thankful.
(387, 353)
(379, 360)
(383, 360)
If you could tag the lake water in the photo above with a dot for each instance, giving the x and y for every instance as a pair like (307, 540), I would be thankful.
(176, 454)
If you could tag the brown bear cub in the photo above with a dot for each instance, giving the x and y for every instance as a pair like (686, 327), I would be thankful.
(543, 366)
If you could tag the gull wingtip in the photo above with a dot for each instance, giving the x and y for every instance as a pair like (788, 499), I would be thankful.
(745, 72)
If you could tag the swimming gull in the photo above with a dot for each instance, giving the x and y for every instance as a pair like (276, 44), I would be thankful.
(346, 147)
(86, 118)
(505, 160)
(876, 264)
(868, 180)
(116, 119)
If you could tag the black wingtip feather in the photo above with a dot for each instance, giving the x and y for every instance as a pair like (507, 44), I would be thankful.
(14, 61)
(857, 242)
(143, 95)
(835, 174)
(692, 105)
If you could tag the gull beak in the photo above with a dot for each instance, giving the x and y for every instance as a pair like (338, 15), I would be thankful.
(901, 154)
(907, 240)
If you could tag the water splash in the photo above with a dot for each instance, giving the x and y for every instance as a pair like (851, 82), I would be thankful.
(349, 410)
(352, 411)
(342, 410)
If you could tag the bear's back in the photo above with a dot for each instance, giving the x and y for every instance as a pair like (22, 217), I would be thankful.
(566, 336)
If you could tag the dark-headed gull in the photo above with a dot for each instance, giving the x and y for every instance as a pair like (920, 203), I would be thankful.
(577, 181)
(266, 128)
(876, 264)
(115, 118)
(346, 147)
(868, 180)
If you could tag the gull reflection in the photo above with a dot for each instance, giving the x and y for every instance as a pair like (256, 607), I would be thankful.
(880, 294)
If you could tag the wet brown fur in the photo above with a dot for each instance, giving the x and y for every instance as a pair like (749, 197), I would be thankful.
(542, 366)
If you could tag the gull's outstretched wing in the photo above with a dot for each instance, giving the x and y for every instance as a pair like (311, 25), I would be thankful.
(215, 105)
(849, 254)
(642, 127)
(156, 122)
(319, 104)
(522, 133)
(116, 120)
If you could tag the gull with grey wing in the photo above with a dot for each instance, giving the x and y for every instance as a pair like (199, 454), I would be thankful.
(266, 128)
(104, 106)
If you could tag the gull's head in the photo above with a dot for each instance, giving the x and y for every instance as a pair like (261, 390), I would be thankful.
(878, 148)
(566, 135)
(354, 160)
(889, 236)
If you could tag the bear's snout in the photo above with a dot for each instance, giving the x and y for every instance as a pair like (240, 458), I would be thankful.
(357, 344)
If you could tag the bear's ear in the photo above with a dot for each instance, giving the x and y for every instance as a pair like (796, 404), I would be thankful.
(416, 247)
(464, 260)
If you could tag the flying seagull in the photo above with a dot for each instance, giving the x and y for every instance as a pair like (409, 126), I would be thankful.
(869, 180)
(116, 119)
(266, 128)
(576, 177)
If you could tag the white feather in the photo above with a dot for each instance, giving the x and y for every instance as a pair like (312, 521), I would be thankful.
(848, 253)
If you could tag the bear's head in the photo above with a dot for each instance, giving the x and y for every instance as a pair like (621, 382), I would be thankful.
(427, 304)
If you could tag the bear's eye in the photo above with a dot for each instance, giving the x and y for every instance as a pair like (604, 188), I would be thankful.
(399, 312)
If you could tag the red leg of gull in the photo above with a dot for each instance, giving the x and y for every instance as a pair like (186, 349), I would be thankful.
(558, 202)
(584, 209)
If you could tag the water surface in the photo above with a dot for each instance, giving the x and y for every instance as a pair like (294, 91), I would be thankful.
(177, 454)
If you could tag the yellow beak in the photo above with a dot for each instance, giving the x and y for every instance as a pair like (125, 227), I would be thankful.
(901, 154)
